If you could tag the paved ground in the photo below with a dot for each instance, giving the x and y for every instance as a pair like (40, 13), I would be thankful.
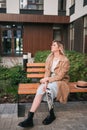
(72, 116)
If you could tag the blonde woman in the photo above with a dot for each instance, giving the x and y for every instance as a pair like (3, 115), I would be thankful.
(53, 85)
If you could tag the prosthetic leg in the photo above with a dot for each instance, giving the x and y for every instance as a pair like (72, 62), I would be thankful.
(51, 117)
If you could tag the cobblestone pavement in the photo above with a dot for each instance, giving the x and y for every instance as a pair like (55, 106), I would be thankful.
(72, 116)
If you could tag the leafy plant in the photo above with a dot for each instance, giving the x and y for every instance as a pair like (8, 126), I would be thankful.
(41, 56)
(18, 75)
(78, 63)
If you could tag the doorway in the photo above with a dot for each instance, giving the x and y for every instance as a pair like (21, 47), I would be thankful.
(11, 40)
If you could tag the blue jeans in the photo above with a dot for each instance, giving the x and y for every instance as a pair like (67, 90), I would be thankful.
(50, 94)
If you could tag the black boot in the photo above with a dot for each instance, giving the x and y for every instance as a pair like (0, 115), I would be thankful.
(50, 118)
(28, 122)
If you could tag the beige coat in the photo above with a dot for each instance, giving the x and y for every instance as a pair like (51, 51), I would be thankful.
(61, 76)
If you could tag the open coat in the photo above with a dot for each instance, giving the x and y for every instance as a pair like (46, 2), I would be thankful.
(61, 76)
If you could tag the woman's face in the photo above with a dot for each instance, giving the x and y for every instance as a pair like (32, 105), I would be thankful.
(54, 47)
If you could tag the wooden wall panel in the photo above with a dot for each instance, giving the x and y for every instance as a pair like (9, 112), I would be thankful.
(34, 18)
(37, 37)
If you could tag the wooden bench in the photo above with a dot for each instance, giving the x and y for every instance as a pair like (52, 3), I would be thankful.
(35, 71)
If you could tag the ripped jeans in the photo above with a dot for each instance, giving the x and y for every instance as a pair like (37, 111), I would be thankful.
(50, 94)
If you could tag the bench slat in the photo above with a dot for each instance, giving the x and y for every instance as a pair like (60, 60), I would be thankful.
(31, 88)
(27, 88)
(27, 91)
(74, 89)
(35, 75)
(36, 70)
(35, 64)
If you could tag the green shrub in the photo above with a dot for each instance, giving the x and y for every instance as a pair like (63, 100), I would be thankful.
(10, 78)
(18, 75)
(78, 63)
(41, 56)
(4, 73)
(15, 75)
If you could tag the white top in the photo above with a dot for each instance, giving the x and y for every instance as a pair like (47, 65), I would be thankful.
(54, 64)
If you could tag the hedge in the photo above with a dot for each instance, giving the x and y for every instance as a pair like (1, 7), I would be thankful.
(78, 63)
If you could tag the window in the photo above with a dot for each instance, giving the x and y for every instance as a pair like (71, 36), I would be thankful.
(12, 43)
(35, 4)
(72, 8)
(57, 33)
(61, 4)
(62, 7)
(32, 4)
(2, 3)
(84, 2)
(22, 1)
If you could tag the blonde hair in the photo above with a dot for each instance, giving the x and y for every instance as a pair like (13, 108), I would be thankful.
(60, 45)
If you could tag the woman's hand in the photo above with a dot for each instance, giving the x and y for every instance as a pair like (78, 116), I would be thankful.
(44, 80)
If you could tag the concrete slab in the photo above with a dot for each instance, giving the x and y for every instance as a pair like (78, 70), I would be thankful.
(72, 116)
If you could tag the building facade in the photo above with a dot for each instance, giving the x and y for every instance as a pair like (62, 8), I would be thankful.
(31, 25)
(78, 25)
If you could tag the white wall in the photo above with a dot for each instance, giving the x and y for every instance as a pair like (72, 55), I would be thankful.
(80, 10)
(12, 6)
(50, 7)
(68, 5)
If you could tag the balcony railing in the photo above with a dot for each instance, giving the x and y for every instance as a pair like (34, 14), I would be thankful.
(2, 10)
(62, 12)
(27, 11)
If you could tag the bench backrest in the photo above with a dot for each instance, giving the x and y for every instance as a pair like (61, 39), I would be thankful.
(35, 70)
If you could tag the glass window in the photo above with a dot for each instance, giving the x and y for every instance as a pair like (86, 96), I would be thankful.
(2, 3)
(18, 47)
(57, 33)
(61, 4)
(84, 2)
(31, 1)
(21, 0)
(6, 41)
(32, 5)
(12, 41)
(7, 33)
